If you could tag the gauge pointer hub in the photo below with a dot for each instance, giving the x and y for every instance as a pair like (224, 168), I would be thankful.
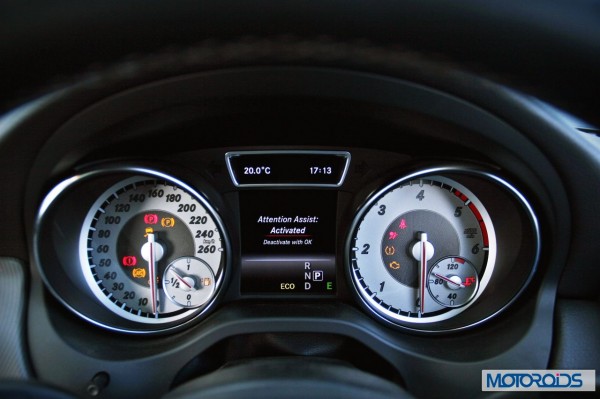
(157, 248)
(454, 282)
(417, 249)
(188, 282)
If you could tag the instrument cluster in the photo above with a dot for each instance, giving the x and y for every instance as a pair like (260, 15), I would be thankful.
(152, 247)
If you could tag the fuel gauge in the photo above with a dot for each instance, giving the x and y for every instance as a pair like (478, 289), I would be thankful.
(189, 282)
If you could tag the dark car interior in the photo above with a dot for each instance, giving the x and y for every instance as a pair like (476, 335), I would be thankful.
(218, 199)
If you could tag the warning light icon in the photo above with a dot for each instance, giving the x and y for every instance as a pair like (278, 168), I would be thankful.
(394, 265)
(469, 281)
(167, 222)
(138, 272)
(129, 261)
(392, 235)
(403, 224)
(207, 281)
(149, 230)
(151, 218)
(389, 250)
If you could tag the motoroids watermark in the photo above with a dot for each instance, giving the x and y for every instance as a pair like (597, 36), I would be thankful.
(538, 380)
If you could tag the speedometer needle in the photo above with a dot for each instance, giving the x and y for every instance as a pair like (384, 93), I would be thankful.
(152, 252)
(152, 271)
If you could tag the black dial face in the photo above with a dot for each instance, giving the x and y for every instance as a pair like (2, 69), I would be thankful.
(175, 238)
(396, 243)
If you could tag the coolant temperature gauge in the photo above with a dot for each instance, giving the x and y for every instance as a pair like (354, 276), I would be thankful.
(453, 282)
(189, 282)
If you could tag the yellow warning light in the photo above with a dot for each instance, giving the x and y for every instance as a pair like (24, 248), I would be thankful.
(207, 281)
(394, 265)
(167, 222)
(389, 250)
(138, 272)
(149, 230)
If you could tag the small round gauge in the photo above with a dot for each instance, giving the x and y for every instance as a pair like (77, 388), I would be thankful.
(453, 282)
(138, 236)
(422, 250)
(189, 282)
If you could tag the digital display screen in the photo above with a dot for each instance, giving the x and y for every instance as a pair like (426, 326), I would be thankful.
(288, 241)
(266, 168)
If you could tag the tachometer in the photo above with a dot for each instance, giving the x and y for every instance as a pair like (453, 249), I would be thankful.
(151, 250)
(422, 250)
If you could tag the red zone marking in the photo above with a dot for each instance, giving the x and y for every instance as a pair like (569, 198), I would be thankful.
(477, 214)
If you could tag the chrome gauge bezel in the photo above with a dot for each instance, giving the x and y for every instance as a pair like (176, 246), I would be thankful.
(74, 289)
(454, 319)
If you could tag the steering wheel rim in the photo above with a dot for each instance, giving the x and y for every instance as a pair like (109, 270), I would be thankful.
(546, 48)
(288, 377)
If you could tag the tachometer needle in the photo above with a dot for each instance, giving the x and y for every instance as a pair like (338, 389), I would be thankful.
(423, 270)
(422, 251)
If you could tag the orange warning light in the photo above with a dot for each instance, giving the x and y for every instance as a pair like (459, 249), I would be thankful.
(138, 272)
(167, 222)
(394, 265)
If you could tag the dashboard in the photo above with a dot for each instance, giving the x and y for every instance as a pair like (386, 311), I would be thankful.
(276, 215)
(136, 250)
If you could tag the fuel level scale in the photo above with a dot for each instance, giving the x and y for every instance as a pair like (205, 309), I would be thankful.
(189, 282)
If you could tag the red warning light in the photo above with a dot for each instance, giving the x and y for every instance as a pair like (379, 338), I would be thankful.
(469, 281)
(403, 224)
(393, 235)
(129, 261)
(151, 218)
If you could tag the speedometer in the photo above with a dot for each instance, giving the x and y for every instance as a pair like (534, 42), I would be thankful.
(151, 250)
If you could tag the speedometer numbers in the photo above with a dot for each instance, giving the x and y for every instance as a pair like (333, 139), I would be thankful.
(422, 250)
(151, 250)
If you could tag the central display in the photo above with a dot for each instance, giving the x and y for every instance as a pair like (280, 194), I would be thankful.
(288, 241)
